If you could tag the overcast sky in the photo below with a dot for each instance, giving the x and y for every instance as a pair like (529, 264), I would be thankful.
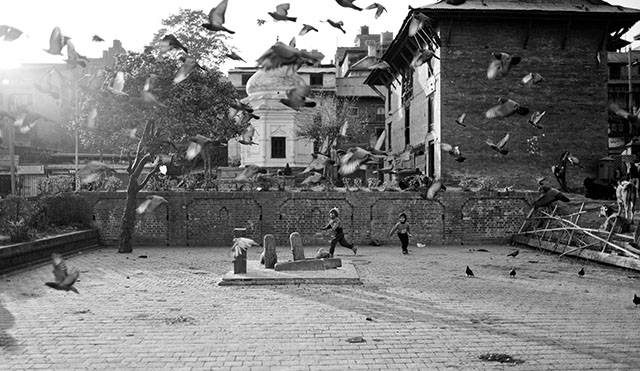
(134, 22)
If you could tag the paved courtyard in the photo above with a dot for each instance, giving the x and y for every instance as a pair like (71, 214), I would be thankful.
(167, 312)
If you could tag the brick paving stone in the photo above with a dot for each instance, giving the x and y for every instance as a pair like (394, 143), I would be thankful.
(167, 312)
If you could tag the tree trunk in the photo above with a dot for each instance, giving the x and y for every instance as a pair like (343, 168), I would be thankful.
(129, 216)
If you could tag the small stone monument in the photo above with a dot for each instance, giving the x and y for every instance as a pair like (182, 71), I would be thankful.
(269, 253)
(296, 246)
(240, 262)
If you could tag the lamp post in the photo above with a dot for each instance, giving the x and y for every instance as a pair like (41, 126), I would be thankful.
(75, 114)
(8, 133)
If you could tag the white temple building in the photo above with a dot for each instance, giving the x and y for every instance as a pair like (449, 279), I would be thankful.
(275, 131)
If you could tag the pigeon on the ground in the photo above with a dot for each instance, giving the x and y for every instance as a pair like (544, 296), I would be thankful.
(357, 339)
(241, 244)
(532, 78)
(512, 273)
(216, 18)
(636, 300)
(460, 119)
(506, 108)
(499, 147)
(379, 9)
(348, 4)
(501, 65)
(337, 25)
(514, 253)
(535, 118)
(150, 204)
(469, 272)
(282, 13)
(65, 277)
(581, 272)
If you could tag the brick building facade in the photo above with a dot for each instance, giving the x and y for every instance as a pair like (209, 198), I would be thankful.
(560, 40)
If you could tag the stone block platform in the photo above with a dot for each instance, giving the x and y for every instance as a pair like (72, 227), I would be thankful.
(258, 275)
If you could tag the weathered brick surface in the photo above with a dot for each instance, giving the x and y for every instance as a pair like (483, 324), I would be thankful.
(573, 94)
(167, 312)
(208, 218)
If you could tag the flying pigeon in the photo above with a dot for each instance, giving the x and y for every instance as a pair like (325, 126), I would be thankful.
(233, 55)
(246, 117)
(514, 253)
(549, 196)
(573, 160)
(247, 136)
(216, 18)
(375, 143)
(250, 171)
(532, 78)
(8, 33)
(185, 70)
(453, 151)
(241, 244)
(337, 25)
(65, 278)
(348, 4)
(282, 13)
(512, 273)
(97, 38)
(93, 170)
(319, 162)
(150, 204)
(74, 58)
(469, 272)
(118, 84)
(261, 22)
(460, 120)
(45, 85)
(636, 300)
(57, 41)
(433, 189)
(296, 98)
(614, 108)
(379, 9)
(423, 56)
(506, 108)
(314, 178)
(196, 143)
(581, 272)
(306, 28)
(499, 147)
(170, 42)
(281, 54)
(91, 118)
(418, 21)
(535, 119)
(354, 158)
(148, 99)
(237, 106)
(501, 65)
(97, 80)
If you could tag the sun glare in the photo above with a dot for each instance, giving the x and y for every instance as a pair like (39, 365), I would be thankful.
(8, 57)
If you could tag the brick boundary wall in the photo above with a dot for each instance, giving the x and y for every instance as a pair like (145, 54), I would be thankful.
(203, 218)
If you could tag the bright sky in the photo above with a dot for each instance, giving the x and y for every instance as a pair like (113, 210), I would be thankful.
(134, 22)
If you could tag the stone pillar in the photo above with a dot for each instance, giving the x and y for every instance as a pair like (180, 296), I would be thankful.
(296, 246)
(240, 262)
(270, 257)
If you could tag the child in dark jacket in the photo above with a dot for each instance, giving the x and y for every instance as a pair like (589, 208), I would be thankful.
(404, 232)
(335, 224)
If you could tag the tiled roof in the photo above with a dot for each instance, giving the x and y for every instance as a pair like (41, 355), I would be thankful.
(577, 6)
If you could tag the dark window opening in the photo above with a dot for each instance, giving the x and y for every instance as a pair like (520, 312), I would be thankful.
(430, 120)
(407, 126)
(278, 147)
(245, 78)
(315, 79)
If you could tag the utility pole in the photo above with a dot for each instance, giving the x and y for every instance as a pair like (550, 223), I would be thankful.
(9, 134)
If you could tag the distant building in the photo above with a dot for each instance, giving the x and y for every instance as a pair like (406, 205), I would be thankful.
(564, 40)
(621, 132)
